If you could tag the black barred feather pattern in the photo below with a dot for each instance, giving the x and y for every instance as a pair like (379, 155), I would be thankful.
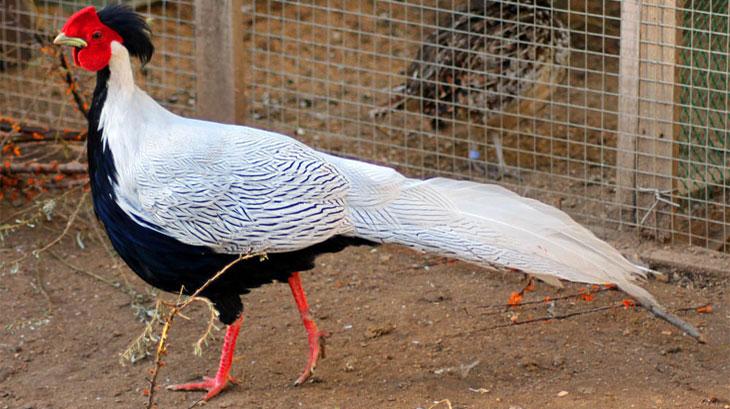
(484, 55)
(180, 198)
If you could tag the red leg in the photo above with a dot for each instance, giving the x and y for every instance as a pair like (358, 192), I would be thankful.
(314, 335)
(216, 384)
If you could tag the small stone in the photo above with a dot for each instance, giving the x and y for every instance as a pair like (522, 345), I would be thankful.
(562, 394)
(379, 331)
(349, 366)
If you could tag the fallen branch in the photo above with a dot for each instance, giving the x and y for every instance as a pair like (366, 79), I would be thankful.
(23, 133)
(577, 295)
(697, 308)
(89, 273)
(71, 168)
(624, 304)
(67, 183)
(558, 317)
(176, 309)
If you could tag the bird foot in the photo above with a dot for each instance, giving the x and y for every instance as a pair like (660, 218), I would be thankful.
(498, 173)
(494, 172)
(213, 386)
(316, 351)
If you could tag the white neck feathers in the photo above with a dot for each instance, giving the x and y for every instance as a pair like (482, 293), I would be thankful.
(121, 81)
(130, 120)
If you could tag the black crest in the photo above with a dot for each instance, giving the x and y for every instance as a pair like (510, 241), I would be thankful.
(132, 27)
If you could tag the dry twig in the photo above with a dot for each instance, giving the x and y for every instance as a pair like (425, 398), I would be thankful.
(20, 133)
(176, 309)
(38, 204)
(501, 307)
(558, 317)
(55, 241)
(72, 168)
(82, 106)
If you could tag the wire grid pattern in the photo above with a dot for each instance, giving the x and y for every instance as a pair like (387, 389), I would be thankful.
(703, 154)
(317, 69)
(32, 89)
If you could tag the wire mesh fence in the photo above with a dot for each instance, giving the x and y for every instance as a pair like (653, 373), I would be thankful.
(615, 112)
(444, 87)
(32, 86)
(703, 144)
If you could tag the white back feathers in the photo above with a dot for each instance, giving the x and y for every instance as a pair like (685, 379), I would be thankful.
(237, 189)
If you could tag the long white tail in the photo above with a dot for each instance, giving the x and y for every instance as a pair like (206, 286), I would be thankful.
(491, 226)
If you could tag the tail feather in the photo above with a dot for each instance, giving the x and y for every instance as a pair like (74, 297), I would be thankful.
(491, 226)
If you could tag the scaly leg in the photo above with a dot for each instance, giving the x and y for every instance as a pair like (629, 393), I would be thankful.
(497, 139)
(314, 335)
(502, 170)
(216, 384)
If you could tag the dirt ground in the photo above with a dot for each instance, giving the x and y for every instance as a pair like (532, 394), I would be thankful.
(406, 330)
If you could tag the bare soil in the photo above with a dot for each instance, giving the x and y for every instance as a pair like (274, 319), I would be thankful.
(405, 329)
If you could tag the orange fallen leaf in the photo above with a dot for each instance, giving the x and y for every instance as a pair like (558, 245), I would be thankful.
(587, 297)
(705, 309)
(628, 304)
(547, 298)
(515, 299)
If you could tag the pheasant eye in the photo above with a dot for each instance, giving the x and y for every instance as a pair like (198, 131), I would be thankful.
(96, 35)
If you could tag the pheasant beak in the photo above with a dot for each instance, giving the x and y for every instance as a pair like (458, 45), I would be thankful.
(62, 39)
